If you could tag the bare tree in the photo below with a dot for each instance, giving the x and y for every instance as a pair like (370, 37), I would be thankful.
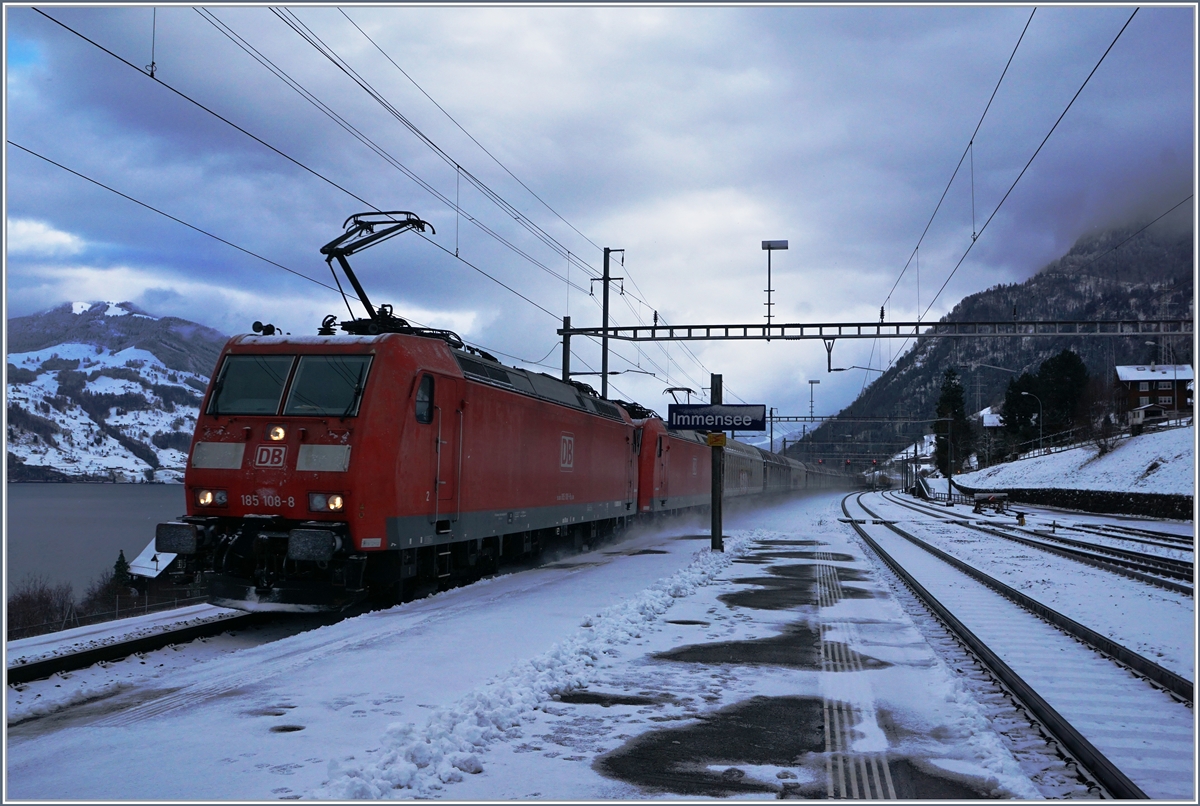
(1099, 406)
(35, 606)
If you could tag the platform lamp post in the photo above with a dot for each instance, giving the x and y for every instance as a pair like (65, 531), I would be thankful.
(769, 247)
(1041, 431)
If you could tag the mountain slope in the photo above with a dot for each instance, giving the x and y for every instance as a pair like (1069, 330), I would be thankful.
(1149, 277)
(104, 391)
(177, 343)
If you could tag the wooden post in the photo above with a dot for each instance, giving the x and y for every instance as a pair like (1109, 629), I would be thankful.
(718, 473)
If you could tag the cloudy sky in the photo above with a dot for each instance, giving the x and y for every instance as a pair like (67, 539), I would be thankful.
(684, 136)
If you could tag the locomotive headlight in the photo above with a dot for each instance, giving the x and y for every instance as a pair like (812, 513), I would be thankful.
(276, 433)
(212, 498)
(326, 502)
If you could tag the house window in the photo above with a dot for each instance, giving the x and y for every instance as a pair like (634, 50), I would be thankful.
(1144, 400)
(1164, 384)
(1144, 386)
(1164, 400)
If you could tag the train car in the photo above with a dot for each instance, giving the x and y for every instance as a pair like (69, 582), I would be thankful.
(324, 467)
(674, 469)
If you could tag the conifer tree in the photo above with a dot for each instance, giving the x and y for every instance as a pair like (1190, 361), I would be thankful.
(121, 570)
(953, 439)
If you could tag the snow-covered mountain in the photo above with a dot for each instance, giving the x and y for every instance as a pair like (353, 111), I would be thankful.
(104, 390)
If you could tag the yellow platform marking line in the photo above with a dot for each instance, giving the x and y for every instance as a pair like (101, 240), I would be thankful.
(847, 774)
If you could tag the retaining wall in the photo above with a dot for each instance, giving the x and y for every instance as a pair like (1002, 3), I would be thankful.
(1155, 505)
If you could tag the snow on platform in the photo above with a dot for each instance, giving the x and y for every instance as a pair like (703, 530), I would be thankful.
(514, 687)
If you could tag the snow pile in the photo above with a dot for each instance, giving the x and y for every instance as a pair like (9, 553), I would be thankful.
(71, 695)
(1161, 462)
(423, 760)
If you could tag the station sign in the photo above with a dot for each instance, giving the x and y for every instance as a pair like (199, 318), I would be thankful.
(699, 417)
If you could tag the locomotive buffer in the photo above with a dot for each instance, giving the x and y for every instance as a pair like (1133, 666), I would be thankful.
(715, 418)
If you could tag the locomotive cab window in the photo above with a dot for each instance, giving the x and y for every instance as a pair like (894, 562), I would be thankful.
(328, 386)
(425, 400)
(251, 384)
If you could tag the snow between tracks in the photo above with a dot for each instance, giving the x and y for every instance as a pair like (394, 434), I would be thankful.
(417, 762)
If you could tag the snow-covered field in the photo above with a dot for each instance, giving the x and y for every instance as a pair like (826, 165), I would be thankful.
(1159, 462)
(534, 685)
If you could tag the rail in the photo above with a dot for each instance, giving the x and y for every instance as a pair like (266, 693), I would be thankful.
(38, 669)
(1111, 777)
(1142, 570)
(138, 605)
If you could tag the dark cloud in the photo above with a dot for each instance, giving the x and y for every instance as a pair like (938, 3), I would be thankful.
(684, 135)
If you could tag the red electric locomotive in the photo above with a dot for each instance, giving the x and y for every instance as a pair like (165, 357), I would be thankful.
(325, 466)
(325, 469)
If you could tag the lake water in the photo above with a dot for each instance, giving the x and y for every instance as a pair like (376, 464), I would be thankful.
(73, 532)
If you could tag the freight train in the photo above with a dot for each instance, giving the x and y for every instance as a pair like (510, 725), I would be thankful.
(326, 470)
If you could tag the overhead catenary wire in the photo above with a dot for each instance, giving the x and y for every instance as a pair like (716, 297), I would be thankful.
(299, 88)
(243, 249)
(176, 219)
(1011, 187)
(275, 150)
(294, 22)
(1139, 232)
(296, 162)
(459, 171)
(970, 142)
(1033, 156)
(464, 131)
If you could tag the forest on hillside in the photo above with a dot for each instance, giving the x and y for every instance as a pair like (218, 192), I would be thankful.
(1115, 274)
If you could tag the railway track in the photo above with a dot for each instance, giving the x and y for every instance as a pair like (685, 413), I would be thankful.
(1148, 537)
(1126, 720)
(1167, 572)
(25, 672)
(1160, 540)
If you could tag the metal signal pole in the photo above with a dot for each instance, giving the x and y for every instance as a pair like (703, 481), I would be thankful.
(566, 362)
(718, 473)
(604, 338)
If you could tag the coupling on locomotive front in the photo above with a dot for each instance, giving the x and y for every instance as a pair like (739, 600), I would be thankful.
(390, 458)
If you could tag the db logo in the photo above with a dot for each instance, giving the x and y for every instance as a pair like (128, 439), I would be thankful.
(270, 455)
(566, 454)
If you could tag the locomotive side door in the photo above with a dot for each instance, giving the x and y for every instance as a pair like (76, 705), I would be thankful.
(664, 464)
(631, 479)
(448, 420)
